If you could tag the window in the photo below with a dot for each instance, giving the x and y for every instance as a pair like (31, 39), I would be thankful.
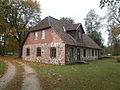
(64, 29)
(78, 54)
(95, 52)
(38, 51)
(29, 37)
(35, 35)
(71, 58)
(53, 52)
(84, 52)
(43, 35)
(27, 52)
(92, 52)
(89, 52)
(99, 53)
(80, 35)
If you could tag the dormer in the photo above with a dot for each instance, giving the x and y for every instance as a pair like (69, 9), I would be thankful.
(76, 32)
(80, 32)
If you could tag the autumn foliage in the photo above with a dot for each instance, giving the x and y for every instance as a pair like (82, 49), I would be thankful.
(16, 17)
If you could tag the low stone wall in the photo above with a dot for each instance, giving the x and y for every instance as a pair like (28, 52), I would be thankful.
(45, 53)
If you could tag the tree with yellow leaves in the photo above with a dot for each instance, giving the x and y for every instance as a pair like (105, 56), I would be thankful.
(20, 15)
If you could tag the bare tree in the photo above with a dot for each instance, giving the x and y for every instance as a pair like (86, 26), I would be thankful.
(108, 3)
(92, 26)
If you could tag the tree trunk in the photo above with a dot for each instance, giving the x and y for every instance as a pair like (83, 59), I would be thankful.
(20, 50)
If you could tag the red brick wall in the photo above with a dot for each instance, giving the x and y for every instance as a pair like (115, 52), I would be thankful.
(50, 36)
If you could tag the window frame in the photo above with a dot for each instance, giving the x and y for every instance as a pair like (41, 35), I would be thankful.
(53, 52)
(93, 52)
(78, 54)
(89, 52)
(71, 54)
(84, 52)
(80, 36)
(35, 35)
(27, 51)
(96, 52)
(43, 34)
(38, 51)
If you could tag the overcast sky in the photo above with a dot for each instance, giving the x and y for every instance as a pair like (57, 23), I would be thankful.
(76, 9)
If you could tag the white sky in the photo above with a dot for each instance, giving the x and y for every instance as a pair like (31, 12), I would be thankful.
(76, 9)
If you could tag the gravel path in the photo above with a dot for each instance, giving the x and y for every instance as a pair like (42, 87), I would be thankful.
(8, 76)
(30, 82)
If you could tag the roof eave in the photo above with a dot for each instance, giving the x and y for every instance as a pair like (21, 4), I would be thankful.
(40, 29)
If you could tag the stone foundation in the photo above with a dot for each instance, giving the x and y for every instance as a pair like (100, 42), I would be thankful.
(63, 53)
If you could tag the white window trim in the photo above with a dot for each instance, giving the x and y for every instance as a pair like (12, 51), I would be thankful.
(35, 35)
(43, 34)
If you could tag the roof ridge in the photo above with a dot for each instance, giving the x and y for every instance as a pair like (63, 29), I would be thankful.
(55, 19)
(61, 21)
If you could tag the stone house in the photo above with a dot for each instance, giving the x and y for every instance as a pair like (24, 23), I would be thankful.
(55, 42)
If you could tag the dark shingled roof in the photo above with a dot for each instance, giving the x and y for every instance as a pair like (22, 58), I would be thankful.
(42, 24)
(59, 26)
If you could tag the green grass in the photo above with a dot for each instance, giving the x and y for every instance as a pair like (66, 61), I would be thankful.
(98, 75)
(2, 68)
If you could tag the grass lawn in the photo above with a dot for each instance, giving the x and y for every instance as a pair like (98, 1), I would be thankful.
(98, 75)
(2, 68)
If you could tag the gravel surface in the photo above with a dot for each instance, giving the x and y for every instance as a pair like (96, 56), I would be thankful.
(30, 82)
(8, 76)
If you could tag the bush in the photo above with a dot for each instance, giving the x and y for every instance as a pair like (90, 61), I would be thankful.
(118, 59)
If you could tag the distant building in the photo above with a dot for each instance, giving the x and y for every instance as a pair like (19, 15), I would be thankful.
(55, 42)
